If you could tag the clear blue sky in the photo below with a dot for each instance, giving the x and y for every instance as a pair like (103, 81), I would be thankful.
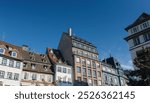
(40, 23)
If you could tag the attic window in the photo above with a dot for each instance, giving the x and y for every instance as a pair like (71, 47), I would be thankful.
(31, 58)
(44, 60)
(2, 50)
(13, 54)
(51, 51)
(33, 66)
(45, 67)
(42, 55)
(31, 53)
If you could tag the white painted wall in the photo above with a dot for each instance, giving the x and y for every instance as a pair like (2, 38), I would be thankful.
(6, 69)
(62, 75)
(46, 77)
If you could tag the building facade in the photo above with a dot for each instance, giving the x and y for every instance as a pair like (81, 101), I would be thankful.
(83, 56)
(110, 75)
(63, 72)
(138, 35)
(10, 64)
(37, 69)
(117, 70)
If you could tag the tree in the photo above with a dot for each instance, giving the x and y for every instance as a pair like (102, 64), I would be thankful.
(141, 76)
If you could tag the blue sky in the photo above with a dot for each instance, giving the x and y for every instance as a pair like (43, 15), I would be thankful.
(40, 23)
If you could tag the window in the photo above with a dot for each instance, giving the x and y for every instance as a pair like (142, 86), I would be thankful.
(11, 63)
(94, 74)
(84, 71)
(83, 62)
(42, 77)
(45, 67)
(98, 65)
(147, 37)
(99, 74)
(84, 80)
(59, 69)
(79, 79)
(64, 70)
(115, 81)
(94, 64)
(69, 81)
(2, 74)
(4, 61)
(25, 75)
(111, 80)
(50, 79)
(2, 50)
(99, 83)
(16, 76)
(24, 65)
(106, 79)
(33, 66)
(77, 60)
(34, 76)
(89, 73)
(64, 79)
(18, 65)
(95, 83)
(136, 41)
(1, 83)
(14, 54)
(78, 69)
(9, 75)
(88, 63)
(90, 82)
(69, 71)
(122, 82)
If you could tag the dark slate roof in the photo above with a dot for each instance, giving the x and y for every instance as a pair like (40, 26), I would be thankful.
(55, 56)
(142, 18)
(112, 61)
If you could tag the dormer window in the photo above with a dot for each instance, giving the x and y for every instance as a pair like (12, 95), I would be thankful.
(31, 53)
(13, 54)
(42, 55)
(32, 58)
(45, 67)
(51, 51)
(33, 66)
(2, 50)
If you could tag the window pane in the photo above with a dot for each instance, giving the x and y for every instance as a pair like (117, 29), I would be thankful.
(9, 75)
(94, 74)
(2, 74)
(59, 69)
(11, 63)
(64, 70)
(2, 51)
(78, 69)
(16, 76)
(84, 71)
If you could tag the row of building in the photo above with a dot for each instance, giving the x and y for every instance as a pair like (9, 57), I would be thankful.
(75, 62)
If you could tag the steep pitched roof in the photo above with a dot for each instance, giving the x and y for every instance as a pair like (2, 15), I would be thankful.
(40, 60)
(142, 18)
(9, 48)
(55, 56)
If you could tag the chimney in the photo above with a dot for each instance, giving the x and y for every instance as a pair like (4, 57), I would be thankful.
(25, 48)
(70, 31)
